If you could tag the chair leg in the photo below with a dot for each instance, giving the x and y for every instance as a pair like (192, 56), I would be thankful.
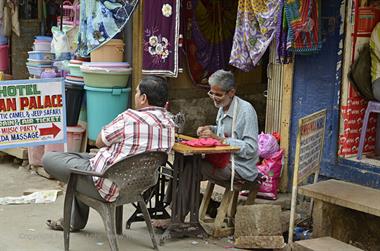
(68, 204)
(363, 134)
(119, 220)
(206, 200)
(148, 222)
(108, 214)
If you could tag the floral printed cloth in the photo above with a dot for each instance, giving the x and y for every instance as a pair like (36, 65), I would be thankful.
(100, 21)
(161, 34)
(256, 25)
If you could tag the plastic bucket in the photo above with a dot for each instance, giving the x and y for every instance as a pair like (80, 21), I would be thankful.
(112, 51)
(106, 78)
(74, 138)
(103, 105)
(35, 154)
(4, 57)
(74, 94)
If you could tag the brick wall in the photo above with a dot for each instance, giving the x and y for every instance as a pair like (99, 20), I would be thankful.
(21, 45)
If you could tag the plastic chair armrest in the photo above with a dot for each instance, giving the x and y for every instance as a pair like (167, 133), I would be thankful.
(85, 173)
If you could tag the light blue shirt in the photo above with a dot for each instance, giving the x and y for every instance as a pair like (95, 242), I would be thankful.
(245, 136)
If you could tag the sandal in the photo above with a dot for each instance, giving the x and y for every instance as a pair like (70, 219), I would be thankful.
(57, 225)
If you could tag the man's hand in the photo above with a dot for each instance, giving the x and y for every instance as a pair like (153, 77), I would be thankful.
(201, 129)
(206, 132)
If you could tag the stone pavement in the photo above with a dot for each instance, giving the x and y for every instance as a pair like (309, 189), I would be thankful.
(23, 228)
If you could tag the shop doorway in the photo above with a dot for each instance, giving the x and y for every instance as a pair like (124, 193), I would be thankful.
(361, 18)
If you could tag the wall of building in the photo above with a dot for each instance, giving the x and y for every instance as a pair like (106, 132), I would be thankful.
(21, 45)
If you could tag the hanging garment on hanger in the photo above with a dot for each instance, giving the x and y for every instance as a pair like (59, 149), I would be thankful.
(304, 34)
(10, 18)
(161, 37)
(100, 21)
(255, 29)
(284, 55)
(208, 28)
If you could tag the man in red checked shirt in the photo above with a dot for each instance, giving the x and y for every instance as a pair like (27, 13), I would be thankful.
(148, 128)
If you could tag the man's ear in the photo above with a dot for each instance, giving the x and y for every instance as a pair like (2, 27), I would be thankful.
(232, 92)
(144, 99)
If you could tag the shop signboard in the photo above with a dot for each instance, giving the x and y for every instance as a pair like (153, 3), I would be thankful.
(309, 150)
(310, 138)
(32, 112)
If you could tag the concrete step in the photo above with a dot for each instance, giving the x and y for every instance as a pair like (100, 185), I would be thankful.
(323, 244)
(345, 194)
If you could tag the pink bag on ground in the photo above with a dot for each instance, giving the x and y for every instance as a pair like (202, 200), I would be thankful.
(271, 170)
(268, 145)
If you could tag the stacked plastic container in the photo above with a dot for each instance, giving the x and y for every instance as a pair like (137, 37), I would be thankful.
(40, 60)
(74, 93)
(74, 85)
(106, 79)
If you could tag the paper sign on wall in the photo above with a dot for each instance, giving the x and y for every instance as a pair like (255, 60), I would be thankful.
(32, 112)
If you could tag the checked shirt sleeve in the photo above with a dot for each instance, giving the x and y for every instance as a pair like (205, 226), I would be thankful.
(114, 132)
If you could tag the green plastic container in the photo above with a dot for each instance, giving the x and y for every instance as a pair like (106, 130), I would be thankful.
(75, 70)
(106, 79)
(103, 105)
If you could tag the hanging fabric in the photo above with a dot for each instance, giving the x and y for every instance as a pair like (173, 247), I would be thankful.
(284, 55)
(255, 29)
(208, 32)
(304, 34)
(161, 35)
(9, 17)
(100, 21)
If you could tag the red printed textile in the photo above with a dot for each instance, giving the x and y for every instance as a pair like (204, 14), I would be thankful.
(203, 142)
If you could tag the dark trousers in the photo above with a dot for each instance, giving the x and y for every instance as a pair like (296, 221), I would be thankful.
(58, 165)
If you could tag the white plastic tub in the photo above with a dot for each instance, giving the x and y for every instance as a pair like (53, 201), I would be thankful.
(42, 47)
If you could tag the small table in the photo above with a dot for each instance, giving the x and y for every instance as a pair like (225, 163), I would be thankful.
(178, 228)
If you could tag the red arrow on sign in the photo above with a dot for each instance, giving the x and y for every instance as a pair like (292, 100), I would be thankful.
(50, 130)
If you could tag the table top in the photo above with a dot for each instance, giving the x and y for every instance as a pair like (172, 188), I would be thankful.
(189, 150)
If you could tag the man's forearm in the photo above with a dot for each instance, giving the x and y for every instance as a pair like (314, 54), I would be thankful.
(99, 142)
